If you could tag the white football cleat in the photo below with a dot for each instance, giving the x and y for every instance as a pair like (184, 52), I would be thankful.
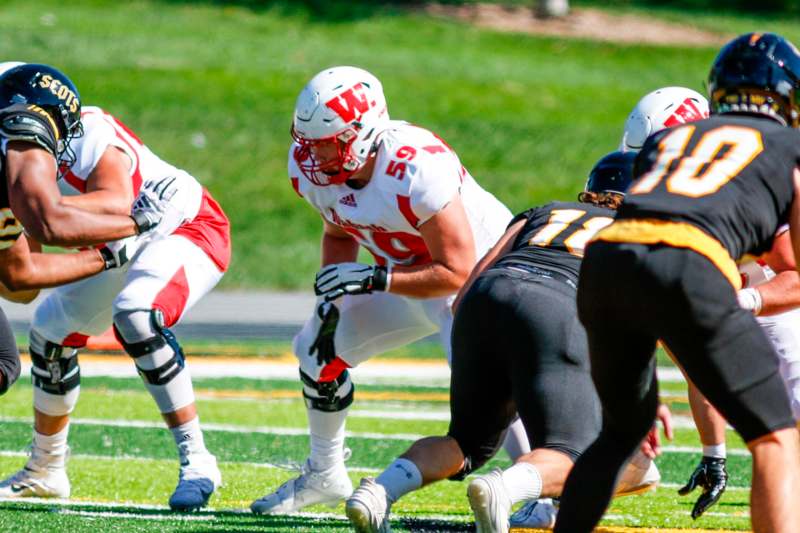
(198, 479)
(368, 508)
(640, 475)
(44, 476)
(489, 502)
(310, 487)
(536, 514)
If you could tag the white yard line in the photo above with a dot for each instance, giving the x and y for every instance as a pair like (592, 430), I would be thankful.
(134, 516)
(268, 430)
(439, 416)
(370, 373)
(419, 373)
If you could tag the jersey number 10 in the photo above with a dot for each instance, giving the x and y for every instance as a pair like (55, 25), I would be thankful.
(717, 158)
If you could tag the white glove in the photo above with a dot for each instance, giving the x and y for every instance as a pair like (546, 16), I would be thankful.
(337, 280)
(750, 299)
(119, 252)
(153, 208)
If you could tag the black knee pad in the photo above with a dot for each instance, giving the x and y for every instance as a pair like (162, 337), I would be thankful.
(329, 400)
(162, 374)
(54, 373)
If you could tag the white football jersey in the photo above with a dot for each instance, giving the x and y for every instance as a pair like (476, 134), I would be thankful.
(203, 221)
(416, 175)
(101, 130)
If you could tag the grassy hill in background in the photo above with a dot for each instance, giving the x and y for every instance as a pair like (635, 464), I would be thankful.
(211, 88)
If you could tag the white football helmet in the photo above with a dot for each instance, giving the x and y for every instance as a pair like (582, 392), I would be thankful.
(342, 107)
(8, 65)
(660, 109)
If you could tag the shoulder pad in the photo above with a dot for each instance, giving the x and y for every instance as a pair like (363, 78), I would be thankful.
(29, 123)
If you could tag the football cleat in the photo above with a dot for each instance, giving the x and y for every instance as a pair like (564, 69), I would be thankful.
(489, 502)
(640, 475)
(44, 476)
(368, 508)
(536, 514)
(198, 479)
(310, 487)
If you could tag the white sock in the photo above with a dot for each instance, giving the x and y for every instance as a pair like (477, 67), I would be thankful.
(49, 451)
(400, 478)
(189, 437)
(516, 442)
(522, 482)
(715, 450)
(55, 444)
(327, 438)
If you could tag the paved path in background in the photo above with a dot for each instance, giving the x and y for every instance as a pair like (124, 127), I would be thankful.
(220, 315)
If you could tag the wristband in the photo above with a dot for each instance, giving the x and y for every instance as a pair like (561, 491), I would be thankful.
(750, 299)
(142, 222)
(108, 258)
(380, 278)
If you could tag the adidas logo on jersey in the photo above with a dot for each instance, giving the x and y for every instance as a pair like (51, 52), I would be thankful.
(349, 200)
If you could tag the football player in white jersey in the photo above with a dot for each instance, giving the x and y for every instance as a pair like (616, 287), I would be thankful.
(184, 258)
(401, 193)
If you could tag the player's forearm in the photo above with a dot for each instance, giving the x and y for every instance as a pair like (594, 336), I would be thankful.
(428, 281)
(100, 202)
(337, 249)
(64, 225)
(50, 270)
(780, 294)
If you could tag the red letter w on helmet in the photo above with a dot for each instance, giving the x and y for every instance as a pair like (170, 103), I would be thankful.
(351, 104)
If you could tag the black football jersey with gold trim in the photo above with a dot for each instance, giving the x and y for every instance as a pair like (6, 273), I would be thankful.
(554, 236)
(729, 175)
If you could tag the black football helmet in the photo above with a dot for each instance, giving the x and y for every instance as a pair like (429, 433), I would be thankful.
(757, 73)
(52, 91)
(613, 173)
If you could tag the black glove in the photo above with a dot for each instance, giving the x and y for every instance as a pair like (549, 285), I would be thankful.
(323, 344)
(711, 475)
(339, 279)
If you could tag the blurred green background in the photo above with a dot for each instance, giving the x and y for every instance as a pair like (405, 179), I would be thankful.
(210, 86)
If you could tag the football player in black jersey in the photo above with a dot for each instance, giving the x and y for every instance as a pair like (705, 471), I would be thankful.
(706, 194)
(39, 114)
(517, 348)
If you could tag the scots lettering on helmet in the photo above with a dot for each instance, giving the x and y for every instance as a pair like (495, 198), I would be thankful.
(61, 91)
(47, 92)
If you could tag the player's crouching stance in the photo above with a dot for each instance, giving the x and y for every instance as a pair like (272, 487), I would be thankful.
(184, 259)
(517, 347)
(706, 194)
(400, 192)
(36, 128)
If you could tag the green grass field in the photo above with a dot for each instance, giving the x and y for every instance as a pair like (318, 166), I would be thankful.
(123, 465)
(211, 87)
